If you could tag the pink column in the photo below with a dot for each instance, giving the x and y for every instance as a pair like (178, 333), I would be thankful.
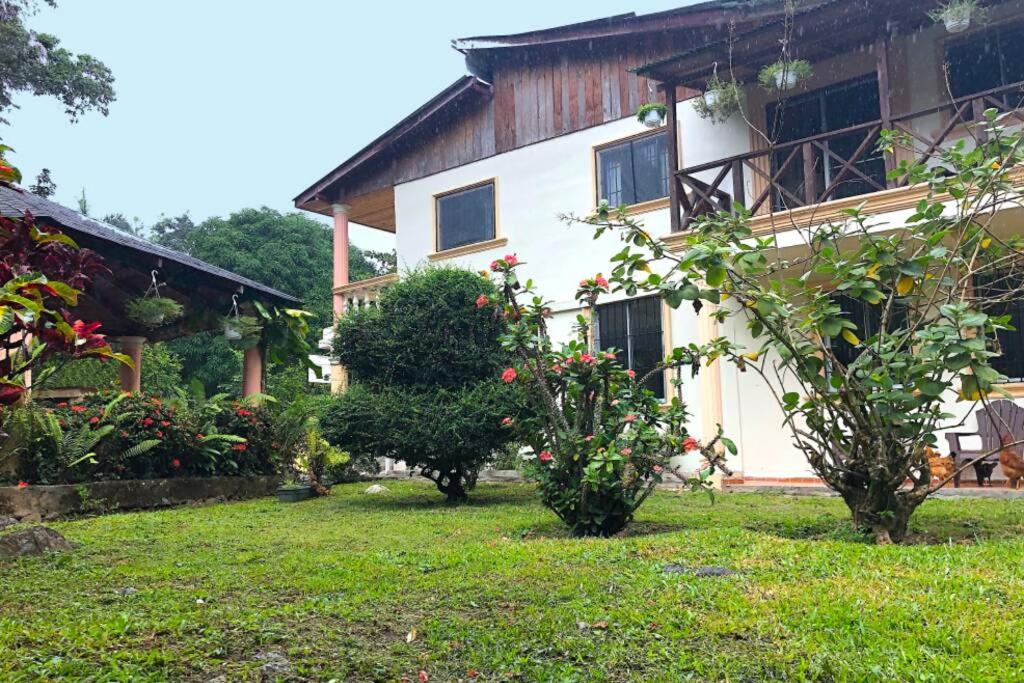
(131, 377)
(252, 371)
(340, 253)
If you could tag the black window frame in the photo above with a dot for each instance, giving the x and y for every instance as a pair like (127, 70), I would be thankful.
(632, 143)
(995, 37)
(1011, 342)
(439, 199)
(636, 314)
(868, 319)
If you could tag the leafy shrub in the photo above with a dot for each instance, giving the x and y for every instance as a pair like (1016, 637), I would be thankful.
(602, 440)
(424, 367)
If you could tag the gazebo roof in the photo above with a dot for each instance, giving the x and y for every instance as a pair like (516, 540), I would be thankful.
(205, 290)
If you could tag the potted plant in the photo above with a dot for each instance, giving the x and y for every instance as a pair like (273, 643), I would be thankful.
(651, 114)
(244, 330)
(293, 491)
(956, 14)
(720, 101)
(784, 74)
(153, 311)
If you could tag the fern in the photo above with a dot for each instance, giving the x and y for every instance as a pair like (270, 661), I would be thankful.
(140, 448)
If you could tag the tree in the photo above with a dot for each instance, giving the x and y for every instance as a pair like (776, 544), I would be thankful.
(44, 186)
(425, 368)
(174, 232)
(121, 222)
(35, 63)
(602, 440)
(83, 204)
(863, 405)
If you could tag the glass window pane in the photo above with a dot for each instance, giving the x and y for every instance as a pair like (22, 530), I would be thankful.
(1011, 342)
(974, 66)
(465, 217)
(634, 328)
(650, 167)
(615, 175)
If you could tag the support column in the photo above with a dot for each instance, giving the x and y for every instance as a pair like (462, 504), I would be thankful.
(131, 377)
(710, 381)
(339, 377)
(672, 122)
(881, 49)
(252, 371)
(340, 254)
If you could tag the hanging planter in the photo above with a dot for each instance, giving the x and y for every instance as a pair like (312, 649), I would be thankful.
(720, 101)
(956, 15)
(785, 74)
(241, 330)
(651, 114)
(152, 310)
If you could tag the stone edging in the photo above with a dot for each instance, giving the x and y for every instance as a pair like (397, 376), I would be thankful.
(37, 503)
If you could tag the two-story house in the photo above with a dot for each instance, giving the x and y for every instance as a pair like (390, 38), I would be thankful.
(544, 125)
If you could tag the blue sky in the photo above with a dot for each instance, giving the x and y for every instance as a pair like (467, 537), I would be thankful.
(223, 104)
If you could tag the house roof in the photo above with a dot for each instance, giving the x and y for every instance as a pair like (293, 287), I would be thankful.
(465, 86)
(15, 203)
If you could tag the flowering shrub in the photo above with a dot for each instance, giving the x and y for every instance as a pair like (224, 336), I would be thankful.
(132, 436)
(601, 439)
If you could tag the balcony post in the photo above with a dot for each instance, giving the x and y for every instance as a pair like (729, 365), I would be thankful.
(672, 122)
(884, 97)
(810, 176)
(738, 191)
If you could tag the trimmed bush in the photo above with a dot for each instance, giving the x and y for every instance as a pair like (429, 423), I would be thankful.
(424, 365)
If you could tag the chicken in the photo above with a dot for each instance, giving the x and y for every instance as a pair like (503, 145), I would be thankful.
(1013, 467)
(941, 467)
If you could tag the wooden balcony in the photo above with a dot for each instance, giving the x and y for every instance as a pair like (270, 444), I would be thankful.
(835, 165)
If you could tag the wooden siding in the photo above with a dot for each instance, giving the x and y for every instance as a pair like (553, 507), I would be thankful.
(535, 96)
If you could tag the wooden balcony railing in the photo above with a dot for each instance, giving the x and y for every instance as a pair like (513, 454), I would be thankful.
(832, 165)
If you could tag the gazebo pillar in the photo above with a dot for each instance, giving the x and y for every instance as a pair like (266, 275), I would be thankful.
(252, 371)
(340, 254)
(131, 376)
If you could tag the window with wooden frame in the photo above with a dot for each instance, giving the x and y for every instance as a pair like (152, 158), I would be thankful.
(986, 60)
(634, 328)
(633, 171)
(465, 216)
(995, 286)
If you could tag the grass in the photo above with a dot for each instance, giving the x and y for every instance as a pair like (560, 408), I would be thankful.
(494, 588)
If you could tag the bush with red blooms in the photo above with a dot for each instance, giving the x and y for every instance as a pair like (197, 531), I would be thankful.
(151, 439)
(42, 273)
(602, 440)
(255, 423)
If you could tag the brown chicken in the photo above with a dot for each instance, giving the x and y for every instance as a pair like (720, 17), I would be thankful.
(1013, 467)
(941, 467)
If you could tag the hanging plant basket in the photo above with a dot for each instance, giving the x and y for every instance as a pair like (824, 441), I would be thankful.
(785, 74)
(720, 101)
(153, 311)
(242, 330)
(956, 15)
(652, 114)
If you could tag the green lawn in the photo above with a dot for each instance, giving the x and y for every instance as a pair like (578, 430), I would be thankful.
(495, 589)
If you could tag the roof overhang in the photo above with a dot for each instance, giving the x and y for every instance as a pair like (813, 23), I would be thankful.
(332, 188)
(822, 29)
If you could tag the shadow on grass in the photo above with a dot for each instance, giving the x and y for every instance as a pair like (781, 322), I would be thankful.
(435, 500)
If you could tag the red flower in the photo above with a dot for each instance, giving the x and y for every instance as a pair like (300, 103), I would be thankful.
(159, 434)
(505, 422)
(691, 444)
(124, 434)
(630, 418)
(482, 301)
(495, 266)
(238, 447)
(509, 375)
(601, 282)
(62, 404)
(147, 422)
(242, 412)
(588, 438)
(165, 423)
(658, 469)
(423, 676)
(78, 409)
(511, 259)
(22, 484)
(609, 355)
(587, 358)
(631, 373)
(175, 463)
(627, 451)
(94, 420)
(200, 437)
(545, 456)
